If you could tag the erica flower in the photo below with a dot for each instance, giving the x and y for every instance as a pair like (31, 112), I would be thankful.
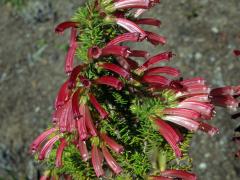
(127, 63)
(156, 79)
(131, 27)
(163, 70)
(41, 138)
(71, 51)
(226, 97)
(89, 122)
(139, 53)
(148, 21)
(112, 144)
(155, 39)
(97, 161)
(175, 174)
(111, 161)
(46, 149)
(132, 37)
(97, 106)
(126, 4)
(60, 150)
(65, 25)
(110, 81)
(170, 135)
(83, 150)
(63, 95)
(81, 123)
(73, 76)
(115, 68)
(236, 52)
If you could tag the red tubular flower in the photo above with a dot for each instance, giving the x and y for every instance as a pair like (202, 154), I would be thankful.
(83, 150)
(155, 39)
(179, 174)
(65, 25)
(132, 37)
(81, 123)
(187, 113)
(199, 97)
(96, 161)
(127, 63)
(94, 52)
(112, 144)
(115, 68)
(116, 50)
(40, 139)
(59, 153)
(156, 79)
(139, 53)
(46, 149)
(111, 161)
(73, 77)
(163, 70)
(71, 51)
(148, 21)
(89, 122)
(139, 12)
(131, 27)
(225, 101)
(197, 89)
(75, 104)
(63, 96)
(227, 90)
(110, 81)
(157, 58)
(99, 108)
(208, 129)
(170, 135)
(159, 178)
(188, 123)
(45, 177)
(236, 52)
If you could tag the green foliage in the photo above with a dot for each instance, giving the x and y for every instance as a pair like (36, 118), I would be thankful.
(93, 30)
(15, 3)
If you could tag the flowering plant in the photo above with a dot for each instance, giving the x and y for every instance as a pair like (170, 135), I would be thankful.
(116, 118)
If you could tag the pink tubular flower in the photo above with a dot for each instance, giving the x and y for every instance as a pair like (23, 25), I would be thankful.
(40, 139)
(227, 90)
(170, 135)
(193, 81)
(155, 39)
(126, 4)
(163, 70)
(75, 104)
(110, 81)
(131, 27)
(116, 50)
(81, 123)
(187, 113)
(83, 150)
(156, 79)
(97, 161)
(188, 123)
(63, 95)
(89, 122)
(236, 52)
(139, 12)
(127, 63)
(59, 153)
(179, 174)
(199, 98)
(112, 144)
(111, 161)
(139, 53)
(148, 21)
(132, 37)
(65, 25)
(71, 52)
(115, 68)
(46, 149)
(166, 56)
(205, 109)
(98, 107)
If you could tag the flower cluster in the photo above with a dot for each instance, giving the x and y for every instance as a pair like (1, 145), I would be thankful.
(83, 103)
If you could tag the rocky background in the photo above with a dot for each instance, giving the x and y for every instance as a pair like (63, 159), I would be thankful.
(201, 33)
